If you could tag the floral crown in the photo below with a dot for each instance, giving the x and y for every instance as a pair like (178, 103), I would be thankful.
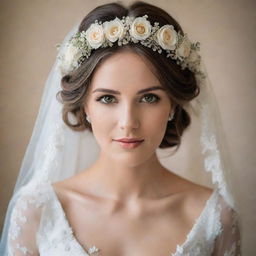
(130, 29)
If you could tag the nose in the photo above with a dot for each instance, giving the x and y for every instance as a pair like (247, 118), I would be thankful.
(128, 118)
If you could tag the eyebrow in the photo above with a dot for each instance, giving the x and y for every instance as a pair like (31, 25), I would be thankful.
(153, 88)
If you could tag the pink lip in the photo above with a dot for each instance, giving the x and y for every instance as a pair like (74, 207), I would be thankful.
(129, 140)
(129, 145)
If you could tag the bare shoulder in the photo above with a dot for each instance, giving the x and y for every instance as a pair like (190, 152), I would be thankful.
(72, 189)
(65, 191)
(195, 192)
(200, 192)
(189, 188)
(69, 184)
(198, 195)
(195, 199)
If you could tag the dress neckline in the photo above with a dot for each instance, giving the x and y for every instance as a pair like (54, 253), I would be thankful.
(179, 247)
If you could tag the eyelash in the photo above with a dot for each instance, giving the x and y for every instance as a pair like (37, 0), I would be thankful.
(157, 98)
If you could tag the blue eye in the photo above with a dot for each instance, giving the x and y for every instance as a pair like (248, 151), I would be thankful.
(150, 96)
(105, 97)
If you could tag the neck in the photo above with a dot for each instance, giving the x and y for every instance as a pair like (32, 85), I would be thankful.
(123, 181)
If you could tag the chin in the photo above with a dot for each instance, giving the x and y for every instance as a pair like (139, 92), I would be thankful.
(131, 158)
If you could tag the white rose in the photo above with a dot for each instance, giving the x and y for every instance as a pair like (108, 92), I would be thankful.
(167, 37)
(140, 28)
(70, 58)
(95, 35)
(184, 48)
(113, 29)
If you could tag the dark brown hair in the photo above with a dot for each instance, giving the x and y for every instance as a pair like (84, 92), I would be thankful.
(181, 84)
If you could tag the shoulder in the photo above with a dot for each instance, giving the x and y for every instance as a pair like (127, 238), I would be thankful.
(193, 197)
(73, 186)
(197, 196)
(193, 192)
(26, 211)
(68, 192)
(31, 198)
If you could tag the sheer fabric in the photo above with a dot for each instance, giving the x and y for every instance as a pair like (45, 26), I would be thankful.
(39, 226)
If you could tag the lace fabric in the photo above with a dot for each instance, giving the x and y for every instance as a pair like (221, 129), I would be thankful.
(39, 227)
(228, 243)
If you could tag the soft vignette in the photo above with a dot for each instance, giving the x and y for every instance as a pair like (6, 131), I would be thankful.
(225, 30)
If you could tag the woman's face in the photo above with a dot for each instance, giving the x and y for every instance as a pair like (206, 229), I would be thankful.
(121, 104)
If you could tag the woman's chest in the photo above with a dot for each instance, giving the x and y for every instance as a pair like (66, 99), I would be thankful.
(155, 231)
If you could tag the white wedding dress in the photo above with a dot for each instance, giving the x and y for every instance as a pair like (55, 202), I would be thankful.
(39, 226)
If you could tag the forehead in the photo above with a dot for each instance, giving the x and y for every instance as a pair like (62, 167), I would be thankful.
(124, 69)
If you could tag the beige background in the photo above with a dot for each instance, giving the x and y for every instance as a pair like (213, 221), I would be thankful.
(226, 30)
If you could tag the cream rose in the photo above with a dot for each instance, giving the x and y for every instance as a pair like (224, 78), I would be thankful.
(167, 37)
(70, 58)
(184, 48)
(113, 29)
(140, 28)
(95, 35)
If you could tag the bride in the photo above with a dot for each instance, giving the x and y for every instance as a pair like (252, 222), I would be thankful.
(128, 79)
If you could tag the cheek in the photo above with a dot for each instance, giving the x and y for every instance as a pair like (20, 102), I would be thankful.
(102, 124)
(160, 120)
(155, 126)
(156, 118)
(158, 127)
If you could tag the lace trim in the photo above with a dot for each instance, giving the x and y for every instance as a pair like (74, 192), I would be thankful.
(234, 250)
(200, 240)
(212, 160)
(61, 238)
